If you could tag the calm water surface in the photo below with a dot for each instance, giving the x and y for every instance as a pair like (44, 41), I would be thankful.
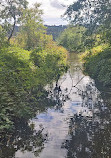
(78, 126)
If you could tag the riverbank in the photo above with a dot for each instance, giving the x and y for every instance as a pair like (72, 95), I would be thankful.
(97, 64)
(78, 124)
(23, 76)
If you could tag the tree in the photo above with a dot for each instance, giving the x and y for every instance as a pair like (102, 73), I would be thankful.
(72, 38)
(90, 12)
(11, 11)
(32, 28)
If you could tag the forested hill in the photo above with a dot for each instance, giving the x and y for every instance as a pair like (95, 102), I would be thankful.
(55, 31)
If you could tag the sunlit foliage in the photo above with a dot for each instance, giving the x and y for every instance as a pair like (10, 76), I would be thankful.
(23, 75)
(27, 65)
(72, 38)
(97, 63)
(96, 17)
(10, 14)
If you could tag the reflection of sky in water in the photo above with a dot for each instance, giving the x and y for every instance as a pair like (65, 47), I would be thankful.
(44, 118)
(55, 122)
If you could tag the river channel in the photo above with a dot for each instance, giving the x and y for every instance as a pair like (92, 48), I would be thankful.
(78, 126)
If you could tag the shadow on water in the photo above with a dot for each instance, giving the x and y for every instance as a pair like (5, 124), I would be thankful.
(90, 129)
(24, 139)
(78, 125)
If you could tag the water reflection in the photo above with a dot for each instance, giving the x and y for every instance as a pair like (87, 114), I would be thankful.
(90, 128)
(24, 139)
(78, 125)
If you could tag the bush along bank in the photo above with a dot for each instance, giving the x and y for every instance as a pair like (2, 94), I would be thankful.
(97, 64)
(29, 60)
(23, 75)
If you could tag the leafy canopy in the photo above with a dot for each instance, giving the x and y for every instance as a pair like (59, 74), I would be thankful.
(32, 30)
(10, 12)
(72, 38)
(90, 12)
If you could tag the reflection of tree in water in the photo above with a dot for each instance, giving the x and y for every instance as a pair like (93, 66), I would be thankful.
(90, 129)
(24, 139)
(58, 96)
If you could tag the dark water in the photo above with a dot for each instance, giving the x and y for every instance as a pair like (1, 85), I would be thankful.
(78, 126)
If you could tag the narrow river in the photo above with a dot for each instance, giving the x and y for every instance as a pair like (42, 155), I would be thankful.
(78, 126)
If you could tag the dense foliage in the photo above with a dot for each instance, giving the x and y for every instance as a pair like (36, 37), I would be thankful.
(23, 75)
(96, 17)
(55, 31)
(11, 12)
(88, 12)
(73, 38)
(28, 62)
(97, 63)
(3, 41)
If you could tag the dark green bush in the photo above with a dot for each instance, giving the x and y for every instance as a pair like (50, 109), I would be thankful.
(98, 66)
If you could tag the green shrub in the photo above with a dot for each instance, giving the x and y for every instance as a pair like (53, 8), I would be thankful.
(23, 75)
(98, 64)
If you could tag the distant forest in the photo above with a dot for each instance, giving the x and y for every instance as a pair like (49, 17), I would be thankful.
(53, 30)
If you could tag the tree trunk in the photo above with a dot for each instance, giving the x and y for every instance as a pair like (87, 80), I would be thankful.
(12, 31)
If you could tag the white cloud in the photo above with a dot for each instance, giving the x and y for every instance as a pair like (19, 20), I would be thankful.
(54, 21)
(56, 4)
(53, 9)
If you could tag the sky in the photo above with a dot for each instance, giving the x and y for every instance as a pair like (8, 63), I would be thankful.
(53, 9)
